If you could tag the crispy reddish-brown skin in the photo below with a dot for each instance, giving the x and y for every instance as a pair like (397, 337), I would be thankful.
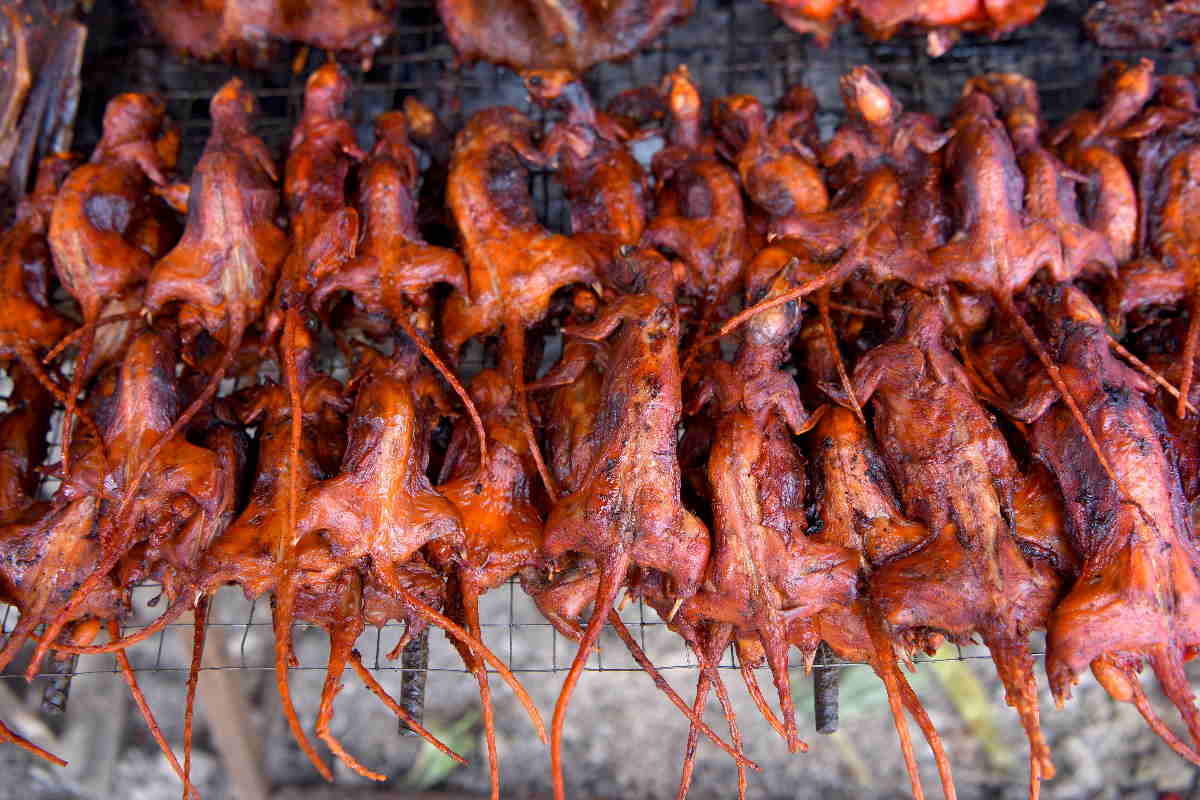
(323, 149)
(1050, 187)
(225, 266)
(28, 324)
(997, 246)
(778, 172)
(23, 429)
(94, 226)
(1135, 595)
(501, 526)
(393, 268)
(184, 502)
(954, 473)
(574, 35)
(627, 509)
(102, 204)
(764, 572)
(856, 508)
(879, 131)
(381, 506)
(514, 264)
(249, 32)
(380, 509)
(605, 185)
(881, 19)
(245, 553)
(700, 215)
(887, 213)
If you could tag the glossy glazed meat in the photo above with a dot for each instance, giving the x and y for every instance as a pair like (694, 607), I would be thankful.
(1170, 272)
(514, 264)
(29, 325)
(251, 32)
(954, 473)
(323, 234)
(764, 573)
(501, 526)
(627, 509)
(23, 430)
(856, 508)
(535, 34)
(779, 173)
(1050, 186)
(997, 245)
(380, 508)
(605, 185)
(394, 268)
(96, 217)
(1135, 596)
(184, 501)
(700, 216)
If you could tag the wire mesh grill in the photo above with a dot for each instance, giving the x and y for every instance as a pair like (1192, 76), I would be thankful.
(729, 46)
(245, 627)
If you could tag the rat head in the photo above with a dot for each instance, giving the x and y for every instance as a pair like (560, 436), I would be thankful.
(1015, 97)
(774, 327)
(639, 109)
(642, 270)
(684, 106)
(736, 118)
(1135, 83)
(918, 317)
(421, 119)
(552, 88)
(867, 98)
(52, 171)
(130, 119)
(232, 106)
(798, 99)
(326, 93)
(391, 129)
(391, 139)
(497, 127)
(1178, 92)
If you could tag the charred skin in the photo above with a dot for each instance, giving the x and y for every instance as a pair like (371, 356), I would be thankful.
(627, 509)
(394, 268)
(572, 35)
(1135, 595)
(605, 185)
(954, 474)
(249, 33)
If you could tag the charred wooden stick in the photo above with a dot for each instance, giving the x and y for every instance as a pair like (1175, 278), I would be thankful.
(414, 661)
(825, 676)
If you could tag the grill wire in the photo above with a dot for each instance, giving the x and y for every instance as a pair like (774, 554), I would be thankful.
(729, 46)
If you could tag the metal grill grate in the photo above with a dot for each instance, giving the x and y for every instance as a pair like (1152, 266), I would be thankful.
(247, 626)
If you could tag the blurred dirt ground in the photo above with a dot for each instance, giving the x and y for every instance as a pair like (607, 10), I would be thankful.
(623, 738)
